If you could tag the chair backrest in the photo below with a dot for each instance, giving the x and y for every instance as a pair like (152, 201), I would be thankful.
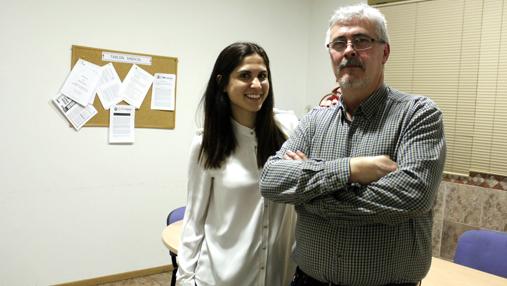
(175, 215)
(484, 250)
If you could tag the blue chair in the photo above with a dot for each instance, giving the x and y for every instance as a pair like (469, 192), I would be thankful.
(174, 216)
(483, 250)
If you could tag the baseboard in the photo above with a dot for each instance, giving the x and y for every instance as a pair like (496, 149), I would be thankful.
(120, 276)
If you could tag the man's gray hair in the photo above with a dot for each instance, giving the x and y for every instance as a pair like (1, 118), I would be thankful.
(363, 11)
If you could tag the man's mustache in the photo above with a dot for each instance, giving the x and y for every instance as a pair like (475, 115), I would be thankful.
(352, 62)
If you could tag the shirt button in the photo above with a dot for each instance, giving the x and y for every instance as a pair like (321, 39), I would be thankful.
(265, 226)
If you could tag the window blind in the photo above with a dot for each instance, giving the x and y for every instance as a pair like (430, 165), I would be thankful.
(454, 51)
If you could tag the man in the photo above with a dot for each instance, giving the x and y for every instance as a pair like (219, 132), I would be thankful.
(363, 220)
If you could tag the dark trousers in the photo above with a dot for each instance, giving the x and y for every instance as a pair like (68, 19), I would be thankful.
(302, 279)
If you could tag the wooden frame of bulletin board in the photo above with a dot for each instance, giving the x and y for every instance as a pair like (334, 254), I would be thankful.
(145, 116)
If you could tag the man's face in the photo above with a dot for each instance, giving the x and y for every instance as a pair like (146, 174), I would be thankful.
(355, 68)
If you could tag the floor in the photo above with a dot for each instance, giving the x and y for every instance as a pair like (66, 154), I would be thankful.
(162, 279)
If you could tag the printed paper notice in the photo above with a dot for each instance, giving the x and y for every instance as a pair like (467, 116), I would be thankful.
(126, 58)
(135, 86)
(75, 113)
(82, 81)
(121, 124)
(109, 87)
(162, 96)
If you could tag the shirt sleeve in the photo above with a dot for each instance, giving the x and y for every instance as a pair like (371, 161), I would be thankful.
(406, 193)
(198, 196)
(298, 182)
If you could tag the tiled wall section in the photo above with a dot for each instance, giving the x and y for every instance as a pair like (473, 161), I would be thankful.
(464, 203)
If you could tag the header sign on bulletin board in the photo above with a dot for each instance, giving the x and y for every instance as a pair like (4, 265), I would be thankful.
(122, 62)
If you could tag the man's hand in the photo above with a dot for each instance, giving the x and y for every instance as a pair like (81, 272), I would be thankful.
(298, 155)
(365, 170)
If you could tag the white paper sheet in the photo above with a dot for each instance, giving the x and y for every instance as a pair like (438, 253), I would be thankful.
(135, 86)
(75, 113)
(108, 89)
(121, 124)
(82, 81)
(162, 95)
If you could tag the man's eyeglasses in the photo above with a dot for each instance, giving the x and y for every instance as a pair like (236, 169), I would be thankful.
(359, 43)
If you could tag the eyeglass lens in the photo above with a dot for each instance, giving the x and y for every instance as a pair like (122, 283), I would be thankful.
(358, 43)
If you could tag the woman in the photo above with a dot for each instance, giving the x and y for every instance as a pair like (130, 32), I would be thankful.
(231, 235)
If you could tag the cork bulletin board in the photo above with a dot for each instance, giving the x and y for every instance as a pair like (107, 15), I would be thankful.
(145, 116)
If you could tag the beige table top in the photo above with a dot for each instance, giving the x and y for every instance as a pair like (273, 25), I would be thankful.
(442, 272)
(171, 236)
(445, 273)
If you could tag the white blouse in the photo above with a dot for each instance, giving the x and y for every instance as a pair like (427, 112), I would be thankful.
(231, 234)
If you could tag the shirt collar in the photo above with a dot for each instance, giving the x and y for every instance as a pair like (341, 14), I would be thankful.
(370, 106)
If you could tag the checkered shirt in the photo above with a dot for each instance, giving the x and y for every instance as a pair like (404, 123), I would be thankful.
(363, 235)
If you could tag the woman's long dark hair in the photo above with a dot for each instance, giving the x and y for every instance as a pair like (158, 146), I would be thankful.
(219, 141)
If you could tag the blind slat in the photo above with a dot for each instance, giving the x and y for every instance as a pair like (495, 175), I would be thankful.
(455, 52)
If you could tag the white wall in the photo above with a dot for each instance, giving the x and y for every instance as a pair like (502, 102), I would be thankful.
(320, 79)
(73, 207)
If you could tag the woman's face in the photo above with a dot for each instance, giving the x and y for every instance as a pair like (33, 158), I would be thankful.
(248, 88)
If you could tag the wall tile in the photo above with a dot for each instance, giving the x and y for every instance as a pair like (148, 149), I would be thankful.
(494, 212)
(438, 219)
(463, 204)
(438, 209)
(450, 233)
